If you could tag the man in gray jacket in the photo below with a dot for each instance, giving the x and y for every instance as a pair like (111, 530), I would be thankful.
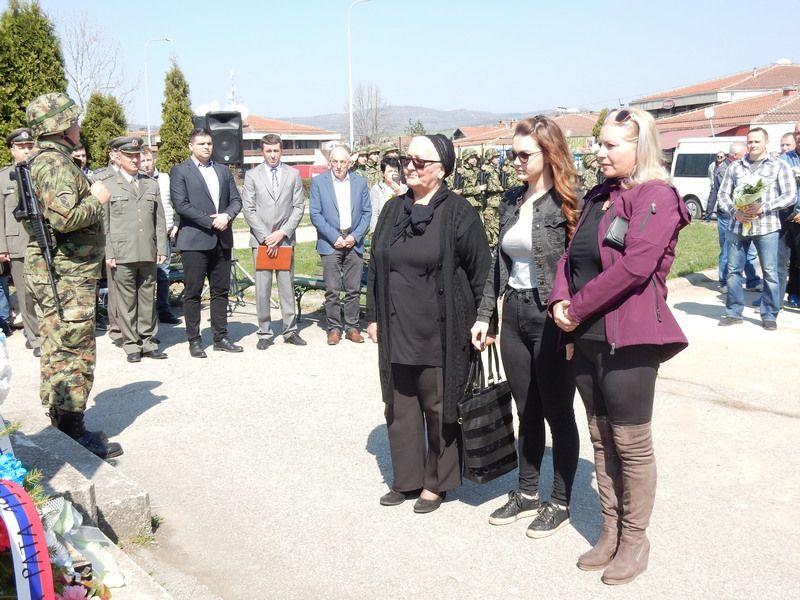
(273, 204)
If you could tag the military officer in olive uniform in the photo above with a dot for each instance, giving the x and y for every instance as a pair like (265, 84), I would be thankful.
(14, 237)
(136, 241)
(494, 195)
(74, 212)
(471, 188)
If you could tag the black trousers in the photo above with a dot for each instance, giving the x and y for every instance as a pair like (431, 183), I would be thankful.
(197, 265)
(620, 386)
(424, 450)
(543, 387)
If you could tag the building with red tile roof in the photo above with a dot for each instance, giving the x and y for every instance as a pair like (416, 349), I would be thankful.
(302, 144)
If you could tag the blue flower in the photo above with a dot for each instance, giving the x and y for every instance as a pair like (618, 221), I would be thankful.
(11, 469)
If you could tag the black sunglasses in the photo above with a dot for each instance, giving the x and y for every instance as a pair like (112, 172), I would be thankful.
(523, 156)
(622, 116)
(419, 163)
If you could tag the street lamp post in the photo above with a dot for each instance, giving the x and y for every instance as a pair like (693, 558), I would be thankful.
(350, 68)
(147, 85)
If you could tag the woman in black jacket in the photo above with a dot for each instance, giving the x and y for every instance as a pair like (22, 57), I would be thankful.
(536, 221)
(428, 265)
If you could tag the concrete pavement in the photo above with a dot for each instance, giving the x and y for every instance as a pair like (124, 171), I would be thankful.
(265, 469)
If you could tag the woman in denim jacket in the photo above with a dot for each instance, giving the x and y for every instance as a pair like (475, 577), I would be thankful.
(536, 221)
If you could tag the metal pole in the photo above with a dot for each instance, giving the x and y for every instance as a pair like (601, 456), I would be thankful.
(350, 68)
(147, 86)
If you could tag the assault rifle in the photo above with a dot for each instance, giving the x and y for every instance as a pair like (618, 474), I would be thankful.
(458, 179)
(28, 210)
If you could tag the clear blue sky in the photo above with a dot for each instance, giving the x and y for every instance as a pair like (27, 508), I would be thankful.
(290, 57)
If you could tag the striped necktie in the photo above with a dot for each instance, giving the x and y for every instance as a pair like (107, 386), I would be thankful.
(275, 181)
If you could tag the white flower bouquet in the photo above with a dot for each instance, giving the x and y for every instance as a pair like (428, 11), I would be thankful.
(749, 191)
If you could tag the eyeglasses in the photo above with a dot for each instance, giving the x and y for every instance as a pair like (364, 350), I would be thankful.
(622, 116)
(523, 156)
(419, 163)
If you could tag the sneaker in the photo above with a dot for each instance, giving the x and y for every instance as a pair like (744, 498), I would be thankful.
(769, 325)
(726, 320)
(793, 303)
(549, 520)
(517, 507)
(723, 289)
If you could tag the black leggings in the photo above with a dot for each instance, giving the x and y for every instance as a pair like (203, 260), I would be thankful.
(543, 388)
(620, 386)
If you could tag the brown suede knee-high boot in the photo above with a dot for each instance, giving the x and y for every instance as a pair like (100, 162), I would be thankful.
(635, 448)
(609, 488)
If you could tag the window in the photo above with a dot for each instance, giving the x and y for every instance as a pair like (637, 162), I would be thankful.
(693, 165)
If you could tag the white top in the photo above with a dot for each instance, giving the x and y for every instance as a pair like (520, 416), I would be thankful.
(517, 244)
(342, 189)
(212, 181)
(163, 188)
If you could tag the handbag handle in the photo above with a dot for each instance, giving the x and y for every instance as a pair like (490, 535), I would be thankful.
(476, 379)
(493, 357)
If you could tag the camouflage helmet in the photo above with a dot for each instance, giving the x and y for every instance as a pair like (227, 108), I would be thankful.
(51, 113)
(468, 153)
(491, 153)
(588, 159)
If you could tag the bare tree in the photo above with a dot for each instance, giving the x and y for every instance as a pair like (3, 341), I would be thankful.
(369, 113)
(92, 62)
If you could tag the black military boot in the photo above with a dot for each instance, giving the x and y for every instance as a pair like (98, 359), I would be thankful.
(95, 442)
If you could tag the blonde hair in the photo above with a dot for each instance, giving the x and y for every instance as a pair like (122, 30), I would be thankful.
(640, 127)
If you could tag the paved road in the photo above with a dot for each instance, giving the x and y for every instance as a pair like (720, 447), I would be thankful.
(266, 470)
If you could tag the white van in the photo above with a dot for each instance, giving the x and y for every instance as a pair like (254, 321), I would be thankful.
(689, 171)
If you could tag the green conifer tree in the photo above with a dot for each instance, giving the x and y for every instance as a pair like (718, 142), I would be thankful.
(104, 121)
(31, 64)
(598, 125)
(176, 120)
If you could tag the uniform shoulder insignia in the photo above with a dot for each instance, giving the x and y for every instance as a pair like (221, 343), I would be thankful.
(103, 174)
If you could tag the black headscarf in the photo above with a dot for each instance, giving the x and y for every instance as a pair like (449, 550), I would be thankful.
(445, 150)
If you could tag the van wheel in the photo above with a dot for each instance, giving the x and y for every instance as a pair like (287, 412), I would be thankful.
(694, 206)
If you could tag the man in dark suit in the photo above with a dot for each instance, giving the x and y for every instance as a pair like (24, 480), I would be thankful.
(205, 196)
(273, 206)
(340, 210)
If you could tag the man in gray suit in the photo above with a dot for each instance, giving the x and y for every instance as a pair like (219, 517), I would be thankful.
(14, 237)
(273, 205)
(136, 241)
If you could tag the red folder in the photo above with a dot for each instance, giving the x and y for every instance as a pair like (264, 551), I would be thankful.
(282, 262)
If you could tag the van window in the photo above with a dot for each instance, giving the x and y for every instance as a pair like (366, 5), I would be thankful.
(693, 165)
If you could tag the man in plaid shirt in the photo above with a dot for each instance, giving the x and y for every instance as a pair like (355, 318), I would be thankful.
(765, 224)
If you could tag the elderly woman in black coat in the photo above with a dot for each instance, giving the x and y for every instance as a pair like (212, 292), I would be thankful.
(429, 261)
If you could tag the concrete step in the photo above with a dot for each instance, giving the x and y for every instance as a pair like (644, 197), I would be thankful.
(106, 497)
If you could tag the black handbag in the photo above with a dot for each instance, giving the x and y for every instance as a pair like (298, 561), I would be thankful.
(487, 423)
(615, 236)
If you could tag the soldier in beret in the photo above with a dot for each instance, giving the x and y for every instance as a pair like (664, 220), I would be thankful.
(136, 241)
(14, 239)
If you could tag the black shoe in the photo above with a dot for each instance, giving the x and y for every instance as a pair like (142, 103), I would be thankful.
(550, 518)
(392, 498)
(168, 318)
(28, 345)
(37, 352)
(769, 325)
(517, 507)
(95, 443)
(134, 357)
(726, 320)
(196, 349)
(294, 339)
(264, 343)
(101, 325)
(118, 342)
(6, 328)
(156, 354)
(422, 506)
(225, 345)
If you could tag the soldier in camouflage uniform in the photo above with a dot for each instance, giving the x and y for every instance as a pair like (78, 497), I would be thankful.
(471, 188)
(494, 195)
(360, 163)
(509, 175)
(590, 172)
(373, 174)
(74, 212)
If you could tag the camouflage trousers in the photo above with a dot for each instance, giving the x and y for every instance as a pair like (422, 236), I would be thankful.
(68, 345)
(491, 221)
(476, 203)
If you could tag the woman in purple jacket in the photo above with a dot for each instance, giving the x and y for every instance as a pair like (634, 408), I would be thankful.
(611, 298)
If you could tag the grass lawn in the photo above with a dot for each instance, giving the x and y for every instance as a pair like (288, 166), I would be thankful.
(697, 250)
